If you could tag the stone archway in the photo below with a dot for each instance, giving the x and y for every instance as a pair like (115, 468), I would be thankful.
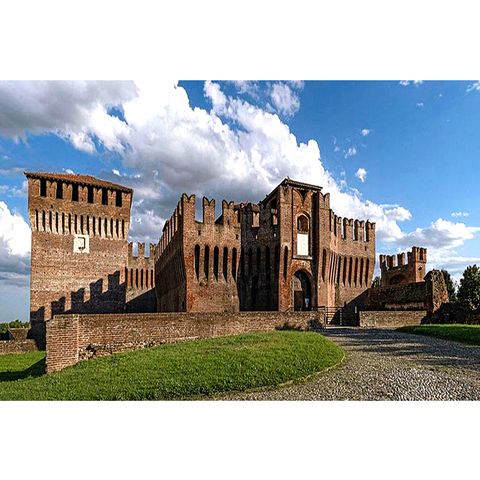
(301, 291)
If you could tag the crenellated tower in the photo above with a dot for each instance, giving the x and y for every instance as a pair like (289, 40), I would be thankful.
(79, 227)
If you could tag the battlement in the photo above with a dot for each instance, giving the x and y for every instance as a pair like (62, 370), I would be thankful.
(416, 255)
(68, 187)
(352, 229)
(141, 251)
(394, 270)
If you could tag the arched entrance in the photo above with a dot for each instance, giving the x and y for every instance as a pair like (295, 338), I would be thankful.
(301, 291)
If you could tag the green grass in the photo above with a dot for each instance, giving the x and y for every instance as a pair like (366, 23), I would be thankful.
(173, 372)
(461, 333)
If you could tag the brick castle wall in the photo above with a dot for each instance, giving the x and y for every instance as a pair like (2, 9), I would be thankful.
(71, 338)
(17, 346)
(390, 319)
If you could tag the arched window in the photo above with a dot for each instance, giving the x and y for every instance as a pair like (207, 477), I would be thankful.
(302, 224)
(303, 247)
(141, 278)
(136, 278)
(361, 271)
(225, 263)
(234, 263)
(344, 270)
(215, 263)
(285, 262)
(206, 261)
(350, 271)
(339, 268)
(355, 277)
(324, 264)
(197, 261)
(367, 267)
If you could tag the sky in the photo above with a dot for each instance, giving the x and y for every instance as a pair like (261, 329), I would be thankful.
(404, 154)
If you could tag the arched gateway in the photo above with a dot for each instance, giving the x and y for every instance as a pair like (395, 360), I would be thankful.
(301, 291)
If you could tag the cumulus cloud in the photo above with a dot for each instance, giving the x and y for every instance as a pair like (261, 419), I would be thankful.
(420, 104)
(14, 247)
(235, 150)
(440, 235)
(284, 99)
(361, 174)
(365, 131)
(72, 110)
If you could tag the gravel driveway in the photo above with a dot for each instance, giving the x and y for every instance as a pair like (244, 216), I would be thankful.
(388, 365)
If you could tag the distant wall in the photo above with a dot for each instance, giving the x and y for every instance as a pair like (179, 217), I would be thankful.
(392, 319)
(71, 338)
(17, 346)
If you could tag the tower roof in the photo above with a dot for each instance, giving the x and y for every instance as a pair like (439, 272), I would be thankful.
(82, 179)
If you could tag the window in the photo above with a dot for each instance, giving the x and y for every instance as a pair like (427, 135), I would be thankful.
(302, 224)
(59, 192)
(90, 194)
(234, 263)
(324, 264)
(206, 261)
(215, 262)
(118, 199)
(197, 261)
(225, 262)
(285, 262)
(43, 187)
(75, 192)
(104, 196)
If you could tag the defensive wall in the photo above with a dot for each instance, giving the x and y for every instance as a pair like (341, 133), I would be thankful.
(71, 338)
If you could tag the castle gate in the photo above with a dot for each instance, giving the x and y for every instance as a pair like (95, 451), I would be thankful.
(301, 291)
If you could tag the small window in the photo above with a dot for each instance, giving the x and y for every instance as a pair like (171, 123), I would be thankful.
(43, 187)
(59, 193)
(302, 224)
(90, 194)
(75, 192)
(118, 199)
(104, 196)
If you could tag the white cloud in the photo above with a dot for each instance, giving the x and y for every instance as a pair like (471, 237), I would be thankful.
(13, 191)
(284, 99)
(365, 132)
(351, 152)
(474, 86)
(405, 83)
(440, 235)
(14, 247)
(236, 150)
(420, 104)
(459, 214)
(361, 174)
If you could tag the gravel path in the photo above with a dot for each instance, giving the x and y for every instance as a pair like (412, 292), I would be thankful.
(388, 365)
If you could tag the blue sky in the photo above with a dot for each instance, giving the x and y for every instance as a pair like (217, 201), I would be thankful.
(404, 154)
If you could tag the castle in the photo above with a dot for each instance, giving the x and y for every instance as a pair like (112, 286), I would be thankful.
(287, 252)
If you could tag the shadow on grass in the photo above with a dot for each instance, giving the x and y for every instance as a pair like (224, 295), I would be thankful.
(35, 370)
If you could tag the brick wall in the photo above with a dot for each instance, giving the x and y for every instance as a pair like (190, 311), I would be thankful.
(391, 319)
(17, 346)
(71, 338)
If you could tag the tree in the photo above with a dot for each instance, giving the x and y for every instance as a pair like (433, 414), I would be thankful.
(469, 289)
(376, 282)
(451, 286)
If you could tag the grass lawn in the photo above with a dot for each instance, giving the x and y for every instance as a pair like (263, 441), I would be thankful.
(174, 372)
(461, 333)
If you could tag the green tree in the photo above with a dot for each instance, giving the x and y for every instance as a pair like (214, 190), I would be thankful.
(469, 289)
(451, 286)
(376, 282)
